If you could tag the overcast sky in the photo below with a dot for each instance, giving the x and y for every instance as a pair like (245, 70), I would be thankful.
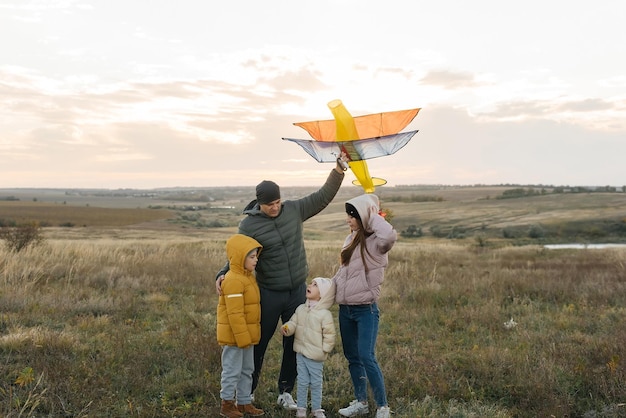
(154, 93)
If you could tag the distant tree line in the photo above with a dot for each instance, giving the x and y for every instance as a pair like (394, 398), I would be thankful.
(534, 186)
(531, 191)
(414, 198)
(575, 231)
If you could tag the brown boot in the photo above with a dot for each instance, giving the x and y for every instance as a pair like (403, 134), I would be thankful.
(229, 410)
(250, 410)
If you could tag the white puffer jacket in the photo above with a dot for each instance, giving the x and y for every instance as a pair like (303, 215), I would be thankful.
(314, 327)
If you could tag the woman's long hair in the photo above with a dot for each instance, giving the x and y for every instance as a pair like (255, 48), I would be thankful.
(359, 238)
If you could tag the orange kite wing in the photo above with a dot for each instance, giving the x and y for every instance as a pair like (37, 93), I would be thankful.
(368, 126)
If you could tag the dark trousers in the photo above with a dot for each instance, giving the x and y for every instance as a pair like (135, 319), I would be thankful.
(277, 305)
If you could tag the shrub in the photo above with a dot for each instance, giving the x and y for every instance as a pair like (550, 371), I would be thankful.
(16, 238)
(457, 232)
(413, 231)
(438, 231)
(536, 231)
(481, 240)
(6, 222)
(509, 232)
(216, 223)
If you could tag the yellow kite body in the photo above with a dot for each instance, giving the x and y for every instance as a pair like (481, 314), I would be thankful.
(346, 131)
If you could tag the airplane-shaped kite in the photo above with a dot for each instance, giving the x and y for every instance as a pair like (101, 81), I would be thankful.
(343, 134)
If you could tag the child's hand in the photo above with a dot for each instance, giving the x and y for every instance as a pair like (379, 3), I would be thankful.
(284, 329)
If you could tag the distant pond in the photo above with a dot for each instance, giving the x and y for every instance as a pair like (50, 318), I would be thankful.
(583, 246)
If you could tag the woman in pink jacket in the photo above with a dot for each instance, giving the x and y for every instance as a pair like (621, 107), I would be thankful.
(358, 281)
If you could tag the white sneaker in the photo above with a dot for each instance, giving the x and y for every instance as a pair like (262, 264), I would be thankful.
(355, 408)
(286, 401)
(301, 413)
(383, 412)
(318, 413)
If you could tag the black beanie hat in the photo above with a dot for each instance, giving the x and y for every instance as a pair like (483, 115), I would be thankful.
(351, 210)
(267, 191)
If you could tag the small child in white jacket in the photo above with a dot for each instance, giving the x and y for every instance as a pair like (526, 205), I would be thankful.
(314, 330)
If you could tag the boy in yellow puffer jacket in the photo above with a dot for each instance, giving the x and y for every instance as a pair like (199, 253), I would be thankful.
(239, 327)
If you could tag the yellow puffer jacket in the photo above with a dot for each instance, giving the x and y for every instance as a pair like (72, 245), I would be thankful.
(239, 308)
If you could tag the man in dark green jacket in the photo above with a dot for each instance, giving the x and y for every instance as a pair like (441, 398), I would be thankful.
(282, 269)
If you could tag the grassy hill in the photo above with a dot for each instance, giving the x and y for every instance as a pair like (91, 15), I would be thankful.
(438, 211)
(117, 317)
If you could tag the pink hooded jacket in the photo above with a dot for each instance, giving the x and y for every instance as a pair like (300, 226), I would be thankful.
(356, 285)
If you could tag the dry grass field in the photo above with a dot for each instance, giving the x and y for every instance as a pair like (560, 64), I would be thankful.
(52, 214)
(117, 318)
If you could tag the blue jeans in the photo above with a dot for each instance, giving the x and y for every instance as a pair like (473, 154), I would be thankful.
(309, 376)
(237, 367)
(358, 325)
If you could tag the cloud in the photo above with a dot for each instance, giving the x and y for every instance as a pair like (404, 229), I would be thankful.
(587, 105)
(591, 114)
(179, 94)
(450, 79)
